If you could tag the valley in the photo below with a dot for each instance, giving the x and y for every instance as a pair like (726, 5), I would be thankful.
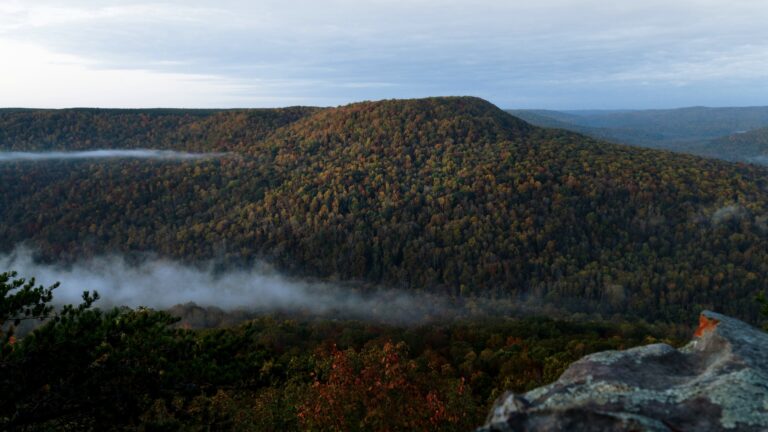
(296, 268)
(445, 195)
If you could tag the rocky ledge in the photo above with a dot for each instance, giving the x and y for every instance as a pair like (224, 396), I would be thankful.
(719, 381)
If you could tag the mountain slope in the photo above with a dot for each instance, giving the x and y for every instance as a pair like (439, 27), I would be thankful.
(445, 194)
(751, 146)
(579, 122)
(683, 123)
(551, 119)
(682, 129)
(92, 128)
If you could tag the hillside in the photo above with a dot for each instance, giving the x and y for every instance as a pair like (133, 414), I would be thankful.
(579, 122)
(682, 123)
(549, 119)
(750, 146)
(682, 129)
(178, 129)
(450, 195)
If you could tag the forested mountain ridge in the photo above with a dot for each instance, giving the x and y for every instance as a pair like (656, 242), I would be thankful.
(177, 129)
(695, 130)
(682, 123)
(749, 146)
(450, 195)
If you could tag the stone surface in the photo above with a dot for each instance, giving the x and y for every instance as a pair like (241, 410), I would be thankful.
(719, 381)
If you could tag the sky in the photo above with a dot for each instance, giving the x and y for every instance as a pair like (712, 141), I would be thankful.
(554, 54)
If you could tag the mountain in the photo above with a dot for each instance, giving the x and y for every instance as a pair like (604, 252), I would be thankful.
(449, 195)
(682, 129)
(550, 119)
(750, 146)
(179, 129)
(578, 122)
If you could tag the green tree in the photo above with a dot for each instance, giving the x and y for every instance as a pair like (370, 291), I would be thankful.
(21, 300)
(763, 308)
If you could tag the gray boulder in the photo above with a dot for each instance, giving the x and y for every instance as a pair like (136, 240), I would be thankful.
(719, 381)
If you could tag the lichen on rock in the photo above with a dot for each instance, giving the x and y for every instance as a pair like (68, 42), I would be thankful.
(718, 381)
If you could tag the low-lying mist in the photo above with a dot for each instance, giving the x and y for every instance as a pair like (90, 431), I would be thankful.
(760, 160)
(187, 289)
(14, 156)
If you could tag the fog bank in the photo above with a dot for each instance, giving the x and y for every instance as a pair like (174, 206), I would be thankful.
(161, 284)
(104, 154)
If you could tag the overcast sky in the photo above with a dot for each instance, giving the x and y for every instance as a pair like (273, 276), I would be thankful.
(554, 54)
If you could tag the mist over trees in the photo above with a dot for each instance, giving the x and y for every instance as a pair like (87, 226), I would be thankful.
(123, 369)
(448, 195)
(440, 198)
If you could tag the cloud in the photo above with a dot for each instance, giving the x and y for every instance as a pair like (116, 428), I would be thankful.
(38, 77)
(552, 51)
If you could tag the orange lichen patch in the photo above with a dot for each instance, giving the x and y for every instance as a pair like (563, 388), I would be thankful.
(706, 325)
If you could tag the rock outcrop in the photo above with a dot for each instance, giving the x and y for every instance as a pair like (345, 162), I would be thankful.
(719, 381)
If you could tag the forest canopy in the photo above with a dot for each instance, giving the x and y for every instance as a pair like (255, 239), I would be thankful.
(447, 195)
(123, 369)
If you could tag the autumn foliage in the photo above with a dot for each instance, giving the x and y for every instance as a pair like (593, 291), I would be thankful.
(449, 195)
(126, 369)
(379, 388)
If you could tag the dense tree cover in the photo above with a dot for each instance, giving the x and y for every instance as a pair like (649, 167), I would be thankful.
(21, 300)
(92, 128)
(125, 369)
(750, 146)
(763, 302)
(450, 195)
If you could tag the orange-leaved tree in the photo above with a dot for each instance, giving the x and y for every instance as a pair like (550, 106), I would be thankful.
(379, 388)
